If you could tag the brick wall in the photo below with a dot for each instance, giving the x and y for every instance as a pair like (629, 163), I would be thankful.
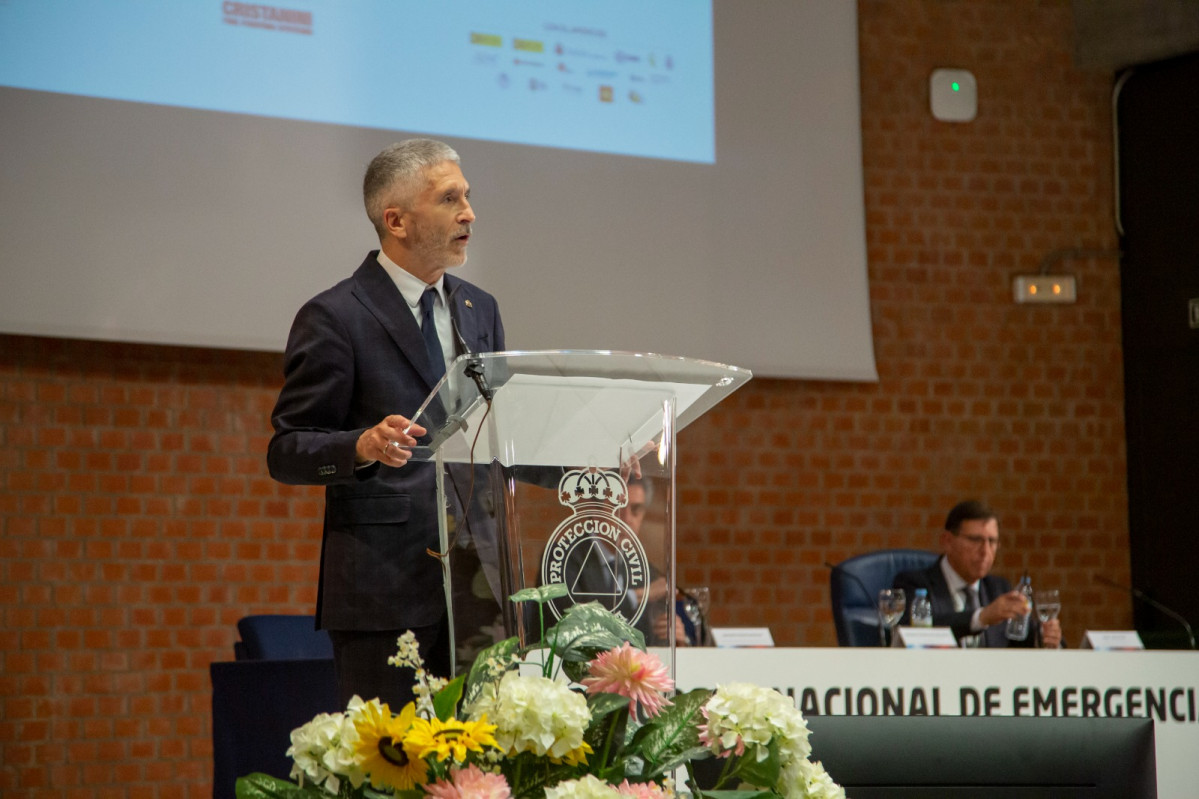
(138, 522)
(977, 397)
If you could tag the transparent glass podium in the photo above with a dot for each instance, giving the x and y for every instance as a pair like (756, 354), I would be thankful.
(566, 462)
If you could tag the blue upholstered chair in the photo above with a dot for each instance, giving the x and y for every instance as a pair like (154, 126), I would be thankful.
(281, 678)
(854, 585)
(281, 637)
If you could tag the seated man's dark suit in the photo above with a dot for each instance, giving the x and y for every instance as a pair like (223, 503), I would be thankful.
(354, 356)
(932, 579)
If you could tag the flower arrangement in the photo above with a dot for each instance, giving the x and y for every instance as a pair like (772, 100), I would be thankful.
(592, 720)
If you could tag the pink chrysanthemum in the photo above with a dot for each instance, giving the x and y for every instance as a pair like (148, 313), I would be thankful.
(470, 783)
(627, 671)
(642, 790)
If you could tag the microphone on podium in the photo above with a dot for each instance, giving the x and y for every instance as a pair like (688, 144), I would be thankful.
(1151, 602)
(474, 368)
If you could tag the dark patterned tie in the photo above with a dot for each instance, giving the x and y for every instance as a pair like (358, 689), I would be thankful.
(971, 595)
(428, 329)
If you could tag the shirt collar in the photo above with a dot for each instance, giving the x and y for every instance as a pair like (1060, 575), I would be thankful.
(955, 581)
(411, 287)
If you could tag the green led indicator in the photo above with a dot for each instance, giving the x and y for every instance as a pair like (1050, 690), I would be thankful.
(956, 86)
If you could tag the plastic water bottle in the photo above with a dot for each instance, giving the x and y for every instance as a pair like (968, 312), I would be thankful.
(922, 609)
(1017, 627)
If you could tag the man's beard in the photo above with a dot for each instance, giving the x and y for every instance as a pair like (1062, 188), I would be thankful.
(432, 249)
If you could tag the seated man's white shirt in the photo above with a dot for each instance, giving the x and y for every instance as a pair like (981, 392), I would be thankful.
(956, 588)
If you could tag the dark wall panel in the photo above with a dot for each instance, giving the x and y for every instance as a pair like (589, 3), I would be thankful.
(1158, 123)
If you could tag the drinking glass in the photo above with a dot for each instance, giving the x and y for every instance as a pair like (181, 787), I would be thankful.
(891, 603)
(695, 603)
(1048, 604)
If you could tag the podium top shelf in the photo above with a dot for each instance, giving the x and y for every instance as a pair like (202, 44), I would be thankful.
(567, 407)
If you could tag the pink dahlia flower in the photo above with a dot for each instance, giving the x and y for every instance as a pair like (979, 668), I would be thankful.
(627, 671)
(470, 783)
(641, 790)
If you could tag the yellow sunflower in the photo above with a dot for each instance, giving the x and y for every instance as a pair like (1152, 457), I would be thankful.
(381, 750)
(451, 737)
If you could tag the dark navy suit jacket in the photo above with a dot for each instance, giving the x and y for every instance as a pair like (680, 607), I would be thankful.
(355, 355)
(932, 579)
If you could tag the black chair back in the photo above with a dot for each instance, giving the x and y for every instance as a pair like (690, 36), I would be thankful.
(854, 585)
(281, 637)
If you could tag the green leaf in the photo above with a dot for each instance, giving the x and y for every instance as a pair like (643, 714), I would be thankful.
(490, 665)
(601, 705)
(540, 594)
(678, 760)
(674, 731)
(607, 740)
(528, 774)
(588, 629)
(751, 794)
(576, 670)
(446, 700)
(763, 773)
(264, 786)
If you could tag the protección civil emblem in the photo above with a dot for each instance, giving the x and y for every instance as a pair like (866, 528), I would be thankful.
(593, 552)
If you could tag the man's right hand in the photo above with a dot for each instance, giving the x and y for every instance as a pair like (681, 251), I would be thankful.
(389, 442)
(1006, 606)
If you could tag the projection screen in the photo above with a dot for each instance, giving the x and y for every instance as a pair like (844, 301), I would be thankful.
(680, 177)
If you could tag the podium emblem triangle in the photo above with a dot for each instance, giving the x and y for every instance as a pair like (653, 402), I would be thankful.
(597, 561)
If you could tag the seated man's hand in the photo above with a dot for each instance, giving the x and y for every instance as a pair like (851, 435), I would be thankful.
(1006, 606)
(1051, 634)
(657, 591)
(661, 632)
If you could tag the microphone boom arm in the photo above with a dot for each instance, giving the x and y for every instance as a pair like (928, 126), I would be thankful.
(1153, 603)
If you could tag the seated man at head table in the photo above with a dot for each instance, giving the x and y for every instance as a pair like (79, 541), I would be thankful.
(965, 596)
(689, 624)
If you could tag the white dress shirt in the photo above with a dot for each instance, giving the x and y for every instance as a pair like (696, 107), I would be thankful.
(956, 586)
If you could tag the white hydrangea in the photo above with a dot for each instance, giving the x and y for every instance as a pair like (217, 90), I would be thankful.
(806, 779)
(588, 787)
(743, 717)
(535, 714)
(323, 750)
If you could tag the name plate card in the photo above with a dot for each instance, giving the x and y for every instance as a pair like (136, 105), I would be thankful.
(735, 637)
(925, 638)
(1112, 640)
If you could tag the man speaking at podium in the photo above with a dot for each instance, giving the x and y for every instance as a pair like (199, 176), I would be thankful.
(358, 355)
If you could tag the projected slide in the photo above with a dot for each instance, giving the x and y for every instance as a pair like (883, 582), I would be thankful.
(628, 77)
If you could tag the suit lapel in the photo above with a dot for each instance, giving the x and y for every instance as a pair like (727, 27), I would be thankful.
(938, 588)
(375, 290)
(466, 321)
